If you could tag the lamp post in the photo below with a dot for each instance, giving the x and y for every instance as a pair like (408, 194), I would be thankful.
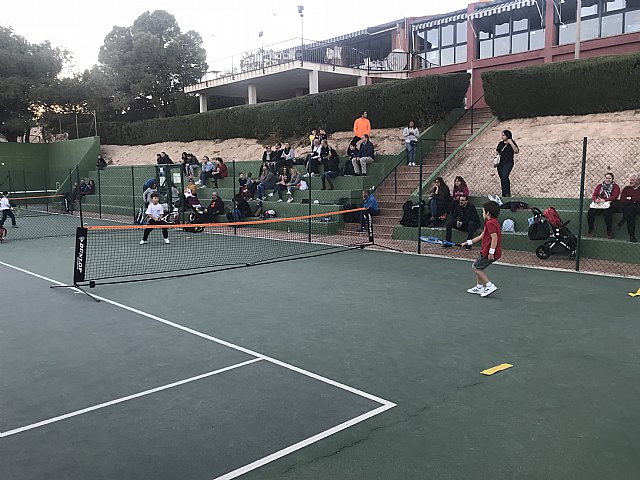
(301, 12)
(578, 21)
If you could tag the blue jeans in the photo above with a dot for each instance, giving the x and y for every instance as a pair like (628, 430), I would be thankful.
(503, 172)
(262, 190)
(411, 153)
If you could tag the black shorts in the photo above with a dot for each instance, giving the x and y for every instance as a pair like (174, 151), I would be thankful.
(481, 263)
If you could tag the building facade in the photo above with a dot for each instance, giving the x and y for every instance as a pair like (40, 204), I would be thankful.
(503, 34)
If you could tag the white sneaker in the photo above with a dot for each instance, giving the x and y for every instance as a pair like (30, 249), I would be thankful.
(488, 290)
(289, 193)
(166, 240)
(305, 175)
(271, 194)
(198, 182)
(279, 200)
(142, 242)
(201, 186)
(478, 290)
(290, 199)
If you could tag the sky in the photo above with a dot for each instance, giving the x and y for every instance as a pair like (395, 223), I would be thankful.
(226, 28)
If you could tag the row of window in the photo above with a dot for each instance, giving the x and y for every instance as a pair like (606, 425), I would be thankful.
(522, 30)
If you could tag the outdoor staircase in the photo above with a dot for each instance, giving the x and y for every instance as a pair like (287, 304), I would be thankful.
(398, 187)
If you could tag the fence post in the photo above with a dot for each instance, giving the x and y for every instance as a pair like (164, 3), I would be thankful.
(133, 193)
(24, 184)
(79, 195)
(420, 201)
(309, 188)
(99, 196)
(46, 191)
(581, 205)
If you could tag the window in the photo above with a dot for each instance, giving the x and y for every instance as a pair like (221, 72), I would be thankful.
(461, 32)
(441, 45)
(600, 18)
(632, 22)
(612, 25)
(447, 35)
(517, 31)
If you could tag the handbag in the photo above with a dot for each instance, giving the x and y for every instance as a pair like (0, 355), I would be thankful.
(600, 206)
(496, 159)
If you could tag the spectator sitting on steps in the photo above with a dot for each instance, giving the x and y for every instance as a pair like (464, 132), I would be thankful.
(365, 156)
(464, 217)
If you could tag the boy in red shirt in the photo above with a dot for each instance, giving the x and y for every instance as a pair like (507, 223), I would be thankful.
(491, 249)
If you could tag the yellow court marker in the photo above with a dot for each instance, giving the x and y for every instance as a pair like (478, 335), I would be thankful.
(496, 369)
(637, 294)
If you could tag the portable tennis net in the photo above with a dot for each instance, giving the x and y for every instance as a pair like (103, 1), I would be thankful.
(116, 253)
(40, 216)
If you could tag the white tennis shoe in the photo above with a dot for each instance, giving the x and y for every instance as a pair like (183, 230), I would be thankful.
(488, 290)
(478, 290)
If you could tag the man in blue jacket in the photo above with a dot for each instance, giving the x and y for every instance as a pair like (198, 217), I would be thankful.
(365, 156)
(371, 204)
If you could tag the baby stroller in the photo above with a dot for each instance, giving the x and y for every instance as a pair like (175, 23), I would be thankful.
(562, 241)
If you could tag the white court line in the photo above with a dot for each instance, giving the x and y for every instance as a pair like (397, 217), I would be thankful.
(124, 399)
(302, 444)
(219, 341)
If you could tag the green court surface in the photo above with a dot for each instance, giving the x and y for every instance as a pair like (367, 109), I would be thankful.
(358, 365)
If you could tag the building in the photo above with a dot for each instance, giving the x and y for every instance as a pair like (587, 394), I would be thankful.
(486, 36)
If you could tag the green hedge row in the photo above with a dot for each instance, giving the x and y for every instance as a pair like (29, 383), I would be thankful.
(424, 100)
(577, 87)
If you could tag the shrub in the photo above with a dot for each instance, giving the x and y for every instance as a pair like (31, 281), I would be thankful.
(577, 87)
(424, 99)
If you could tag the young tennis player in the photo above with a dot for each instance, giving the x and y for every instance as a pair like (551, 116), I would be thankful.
(155, 212)
(491, 251)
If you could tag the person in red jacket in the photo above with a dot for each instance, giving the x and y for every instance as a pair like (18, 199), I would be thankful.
(630, 205)
(491, 238)
(220, 171)
(604, 194)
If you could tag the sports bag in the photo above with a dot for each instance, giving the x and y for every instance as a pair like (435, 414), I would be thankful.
(539, 228)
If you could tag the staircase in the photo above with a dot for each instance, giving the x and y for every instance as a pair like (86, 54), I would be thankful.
(398, 187)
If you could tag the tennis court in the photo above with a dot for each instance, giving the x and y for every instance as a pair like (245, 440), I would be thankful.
(361, 364)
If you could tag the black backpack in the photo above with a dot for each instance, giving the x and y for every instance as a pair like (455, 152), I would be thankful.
(410, 213)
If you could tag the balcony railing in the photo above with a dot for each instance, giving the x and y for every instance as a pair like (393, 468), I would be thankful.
(317, 52)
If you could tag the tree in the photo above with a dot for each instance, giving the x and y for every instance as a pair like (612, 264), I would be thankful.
(148, 64)
(25, 69)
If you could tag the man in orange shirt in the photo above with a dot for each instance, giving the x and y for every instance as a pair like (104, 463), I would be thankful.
(361, 127)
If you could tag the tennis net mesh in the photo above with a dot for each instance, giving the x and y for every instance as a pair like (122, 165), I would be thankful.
(120, 253)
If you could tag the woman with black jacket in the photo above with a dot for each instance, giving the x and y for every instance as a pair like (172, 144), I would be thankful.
(506, 148)
(440, 200)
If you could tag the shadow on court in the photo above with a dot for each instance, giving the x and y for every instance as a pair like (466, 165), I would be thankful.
(400, 327)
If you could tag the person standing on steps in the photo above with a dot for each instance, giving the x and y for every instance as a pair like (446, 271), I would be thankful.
(411, 135)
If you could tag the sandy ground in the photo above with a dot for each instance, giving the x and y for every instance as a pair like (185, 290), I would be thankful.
(548, 164)
(386, 141)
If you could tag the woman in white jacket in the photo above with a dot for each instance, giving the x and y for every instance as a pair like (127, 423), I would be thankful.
(411, 135)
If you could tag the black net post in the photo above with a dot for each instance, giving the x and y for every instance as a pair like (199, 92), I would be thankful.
(133, 193)
(79, 194)
(71, 194)
(183, 216)
(99, 196)
(581, 202)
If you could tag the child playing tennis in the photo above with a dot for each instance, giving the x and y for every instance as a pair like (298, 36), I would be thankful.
(155, 212)
(491, 251)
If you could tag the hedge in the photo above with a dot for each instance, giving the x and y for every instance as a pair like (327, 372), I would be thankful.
(424, 100)
(576, 87)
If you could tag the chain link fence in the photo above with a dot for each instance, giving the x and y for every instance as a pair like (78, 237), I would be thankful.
(565, 176)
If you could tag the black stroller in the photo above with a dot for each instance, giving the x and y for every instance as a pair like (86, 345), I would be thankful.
(561, 241)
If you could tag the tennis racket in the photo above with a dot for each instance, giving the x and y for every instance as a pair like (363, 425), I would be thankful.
(438, 241)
